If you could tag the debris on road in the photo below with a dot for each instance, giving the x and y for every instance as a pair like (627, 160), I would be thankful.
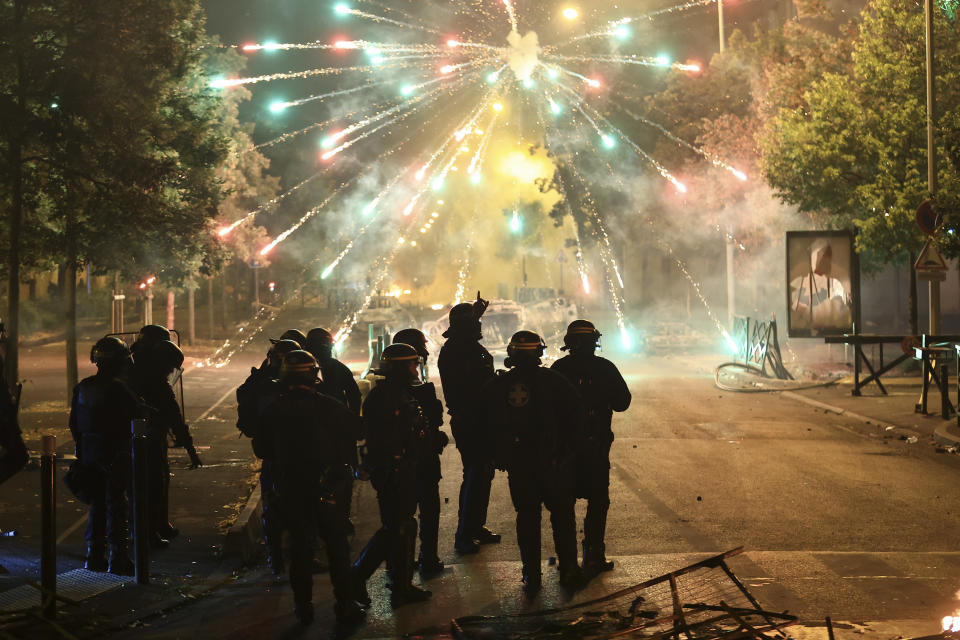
(705, 601)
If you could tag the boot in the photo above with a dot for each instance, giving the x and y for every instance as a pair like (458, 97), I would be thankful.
(571, 578)
(168, 531)
(430, 567)
(532, 581)
(95, 559)
(366, 563)
(348, 613)
(595, 559)
(120, 562)
(275, 557)
(403, 591)
(488, 537)
(304, 612)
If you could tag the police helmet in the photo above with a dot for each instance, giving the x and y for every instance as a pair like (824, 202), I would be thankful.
(281, 348)
(396, 359)
(414, 338)
(153, 333)
(461, 315)
(292, 334)
(168, 355)
(319, 341)
(524, 345)
(298, 365)
(109, 349)
(580, 334)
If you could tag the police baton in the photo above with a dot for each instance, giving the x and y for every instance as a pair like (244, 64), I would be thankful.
(138, 463)
(48, 528)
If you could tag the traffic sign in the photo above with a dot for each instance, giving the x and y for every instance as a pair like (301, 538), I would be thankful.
(930, 258)
(927, 218)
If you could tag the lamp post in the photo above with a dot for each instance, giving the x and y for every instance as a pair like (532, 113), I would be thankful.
(931, 153)
(720, 23)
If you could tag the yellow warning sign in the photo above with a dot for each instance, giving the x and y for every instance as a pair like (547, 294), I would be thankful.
(930, 259)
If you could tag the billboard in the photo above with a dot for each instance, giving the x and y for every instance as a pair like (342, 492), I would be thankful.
(823, 284)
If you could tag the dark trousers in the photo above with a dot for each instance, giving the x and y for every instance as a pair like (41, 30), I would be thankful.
(396, 536)
(107, 518)
(305, 519)
(478, 473)
(271, 516)
(595, 487)
(428, 502)
(528, 492)
(158, 480)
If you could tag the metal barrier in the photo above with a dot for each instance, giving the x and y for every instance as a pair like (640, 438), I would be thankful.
(139, 500)
(48, 528)
(758, 346)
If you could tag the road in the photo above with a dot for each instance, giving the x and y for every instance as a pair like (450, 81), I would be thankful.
(835, 520)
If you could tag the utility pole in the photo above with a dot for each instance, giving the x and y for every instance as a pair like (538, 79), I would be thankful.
(720, 23)
(931, 154)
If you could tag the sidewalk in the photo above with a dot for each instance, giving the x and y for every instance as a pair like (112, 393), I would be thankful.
(890, 415)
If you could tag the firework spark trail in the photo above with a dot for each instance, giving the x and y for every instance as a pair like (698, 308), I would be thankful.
(714, 160)
(656, 235)
(303, 219)
(582, 107)
(476, 163)
(411, 106)
(611, 29)
(646, 61)
(343, 9)
(225, 231)
(225, 83)
(371, 208)
(285, 46)
(606, 249)
(267, 205)
(512, 15)
(386, 47)
(464, 267)
(324, 96)
(469, 120)
(589, 81)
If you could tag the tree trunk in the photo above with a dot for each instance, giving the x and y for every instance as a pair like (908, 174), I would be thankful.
(70, 308)
(914, 321)
(210, 327)
(191, 315)
(171, 310)
(15, 218)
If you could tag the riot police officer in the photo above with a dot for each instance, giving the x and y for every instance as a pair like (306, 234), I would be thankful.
(465, 366)
(100, 414)
(397, 440)
(154, 362)
(535, 418)
(603, 391)
(13, 452)
(428, 471)
(313, 455)
(337, 377)
(253, 396)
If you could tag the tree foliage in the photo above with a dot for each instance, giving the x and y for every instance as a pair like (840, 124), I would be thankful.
(853, 150)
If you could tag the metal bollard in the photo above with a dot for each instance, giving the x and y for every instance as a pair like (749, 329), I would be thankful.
(944, 392)
(138, 500)
(48, 528)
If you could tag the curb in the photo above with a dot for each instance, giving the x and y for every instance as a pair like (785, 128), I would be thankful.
(945, 434)
(244, 537)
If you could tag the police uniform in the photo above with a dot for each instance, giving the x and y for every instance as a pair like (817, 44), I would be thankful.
(534, 416)
(603, 391)
(149, 380)
(314, 458)
(101, 411)
(465, 366)
(397, 442)
(257, 392)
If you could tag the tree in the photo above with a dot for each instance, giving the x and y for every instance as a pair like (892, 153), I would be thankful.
(854, 153)
(127, 142)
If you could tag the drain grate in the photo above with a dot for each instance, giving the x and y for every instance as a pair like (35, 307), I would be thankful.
(78, 584)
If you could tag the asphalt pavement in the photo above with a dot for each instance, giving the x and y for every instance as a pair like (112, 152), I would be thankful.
(846, 507)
